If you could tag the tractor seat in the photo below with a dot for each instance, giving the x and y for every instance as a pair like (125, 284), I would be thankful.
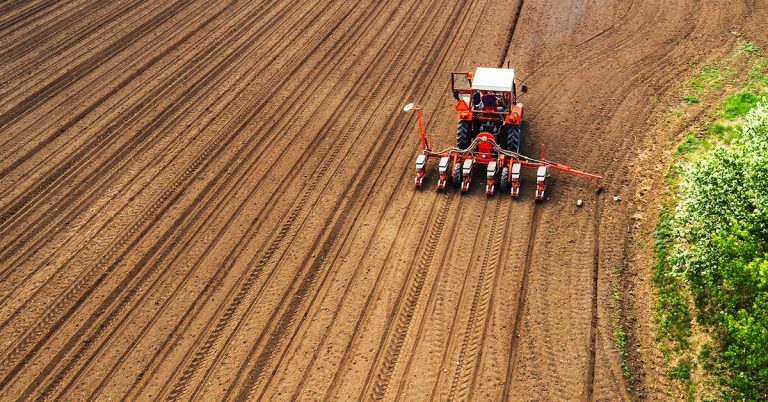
(489, 102)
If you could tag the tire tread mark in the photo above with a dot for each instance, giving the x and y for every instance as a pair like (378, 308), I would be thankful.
(73, 297)
(70, 198)
(73, 75)
(33, 11)
(520, 308)
(201, 205)
(196, 167)
(591, 352)
(247, 286)
(14, 144)
(405, 313)
(471, 345)
(72, 44)
(254, 375)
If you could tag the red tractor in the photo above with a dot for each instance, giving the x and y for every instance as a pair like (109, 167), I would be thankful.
(488, 133)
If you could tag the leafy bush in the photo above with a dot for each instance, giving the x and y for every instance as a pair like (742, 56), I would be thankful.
(718, 241)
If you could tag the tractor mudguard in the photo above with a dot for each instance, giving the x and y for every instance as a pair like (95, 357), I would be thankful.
(515, 115)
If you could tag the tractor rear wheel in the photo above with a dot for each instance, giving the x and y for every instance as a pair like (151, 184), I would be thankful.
(513, 137)
(456, 177)
(503, 180)
(463, 134)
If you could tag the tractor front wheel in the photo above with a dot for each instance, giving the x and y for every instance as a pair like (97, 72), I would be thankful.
(504, 179)
(456, 178)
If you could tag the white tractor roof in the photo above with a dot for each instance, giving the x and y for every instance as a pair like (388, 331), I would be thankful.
(493, 79)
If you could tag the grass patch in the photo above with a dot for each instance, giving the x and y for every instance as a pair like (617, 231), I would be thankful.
(749, 47)
(737, 105)
(671, 310)
(690, 99)
(724, 132)
(709, 78)
(757, 73)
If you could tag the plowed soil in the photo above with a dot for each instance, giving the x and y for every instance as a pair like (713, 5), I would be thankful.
(214, 199)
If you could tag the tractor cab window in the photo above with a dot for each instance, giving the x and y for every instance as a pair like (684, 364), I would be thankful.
(490, 101)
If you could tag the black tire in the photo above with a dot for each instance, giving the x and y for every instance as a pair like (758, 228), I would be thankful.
(503, 185)
(513, 137)
(463, 134)
(456, 176)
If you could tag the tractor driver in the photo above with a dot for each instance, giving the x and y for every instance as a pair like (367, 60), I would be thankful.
(489, 102)
(476, 100)
(502, 102)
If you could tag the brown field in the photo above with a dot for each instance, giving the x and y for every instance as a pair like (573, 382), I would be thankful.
(214, 199)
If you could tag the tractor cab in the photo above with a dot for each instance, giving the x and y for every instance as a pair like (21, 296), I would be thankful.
(488, 104)
(493, 89)
(488, 89)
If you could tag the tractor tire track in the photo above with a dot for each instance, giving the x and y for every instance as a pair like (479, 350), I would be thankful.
(365, 308)
(47, 219)
(364, 112)
(133, 113)
(255, 377)
(258, 98)
(16, 144)
(520, 308)
(215, 144)
(72, 76)
(477, 324)
(595, 294)
(115, 169)
(252, 151)
(107, 172)
(285, 229)
(271, 203)
(43, 37)
(32, 11)
(257, 371)
(74, 44)
(405, 307)
(201, 205)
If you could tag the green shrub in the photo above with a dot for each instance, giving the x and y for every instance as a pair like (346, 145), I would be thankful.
(682, 370)
(717, 240)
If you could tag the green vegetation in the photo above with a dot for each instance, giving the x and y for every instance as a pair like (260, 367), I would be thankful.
(620, 336)
(739, 104)
(712, 242)
(682, 371)
(750, 47)
(690, 99)
(719, 235)
(709, 78)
